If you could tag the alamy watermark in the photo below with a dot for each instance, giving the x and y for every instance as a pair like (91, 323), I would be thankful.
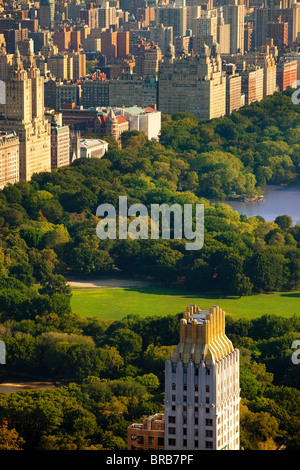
(296, 354)
(135, 222)
(295, 95)
(2, 353)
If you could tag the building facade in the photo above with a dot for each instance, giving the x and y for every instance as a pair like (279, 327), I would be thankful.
(23, 112)
(202, 392)
(148, 435)
(9, 158)
(195, 84)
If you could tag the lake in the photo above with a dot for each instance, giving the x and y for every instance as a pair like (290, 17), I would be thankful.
(279, 200)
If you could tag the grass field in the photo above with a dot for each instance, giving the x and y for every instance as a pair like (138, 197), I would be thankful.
(115, 304)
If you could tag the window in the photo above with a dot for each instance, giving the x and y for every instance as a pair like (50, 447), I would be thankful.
(184, 442)
(172, 430)
(184, 431)
(172, 442)
(160, 441)
(133, 437)
(173, 386)
(172, 419)
(208, 433)
(150, 440)
(206, 410)
(140, 439)
(208, 422)
(196, 421)
(207, 388)
(196, 444)
(208, 445)
(207, 400)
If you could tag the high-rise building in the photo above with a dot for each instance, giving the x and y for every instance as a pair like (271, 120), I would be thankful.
(122, 43)
(234, 14)
(174, 16)
(109, 43)
(252, 83)
(23, 112)
(278, 31)
(195, 84)
(270, 14)
(234, 96)
(61, 66)
(202, 394)
(206, 24)
(60, 145)
(286, 74)
(46, 13)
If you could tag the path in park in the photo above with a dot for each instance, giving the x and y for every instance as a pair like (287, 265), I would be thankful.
(110, 283)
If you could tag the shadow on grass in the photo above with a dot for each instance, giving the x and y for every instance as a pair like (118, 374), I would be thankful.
(296, 295)
(173, 291)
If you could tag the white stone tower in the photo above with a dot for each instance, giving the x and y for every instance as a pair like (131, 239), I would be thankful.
(202, 391)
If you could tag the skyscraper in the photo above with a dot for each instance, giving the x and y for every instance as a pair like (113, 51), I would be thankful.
(23, 112)
(202, 392)
(193, 83)
(46, 13)
(234, 14)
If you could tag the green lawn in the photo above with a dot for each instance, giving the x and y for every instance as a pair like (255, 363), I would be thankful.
(115, 304)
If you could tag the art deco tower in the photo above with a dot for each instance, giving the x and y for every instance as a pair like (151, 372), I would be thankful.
(202, 385)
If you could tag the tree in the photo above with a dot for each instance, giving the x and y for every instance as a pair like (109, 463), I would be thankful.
(128, 343)
(10, 439)
(285, 222)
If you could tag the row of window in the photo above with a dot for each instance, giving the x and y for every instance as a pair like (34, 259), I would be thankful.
(172, 431)
(147, 439)
(208, 422)
(207, 389)
(208, 444)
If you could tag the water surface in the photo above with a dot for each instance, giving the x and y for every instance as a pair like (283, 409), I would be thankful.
(279, 200)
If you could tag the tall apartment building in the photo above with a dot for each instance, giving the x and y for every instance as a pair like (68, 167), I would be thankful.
(46, 13)
(264, 16)
(223, 35)
(60, 145)
(109, 43)
(60, 66)
(107, 16)
(252, 84)
(122, 43)
(234, 14)
(90, 16)
(286, 74)
(195, 84)
(9, 158)
(206, 24)
(78, 63)
(202, 392)
(174, 16)
(279, 32)
(234, 97)
(23, 112)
